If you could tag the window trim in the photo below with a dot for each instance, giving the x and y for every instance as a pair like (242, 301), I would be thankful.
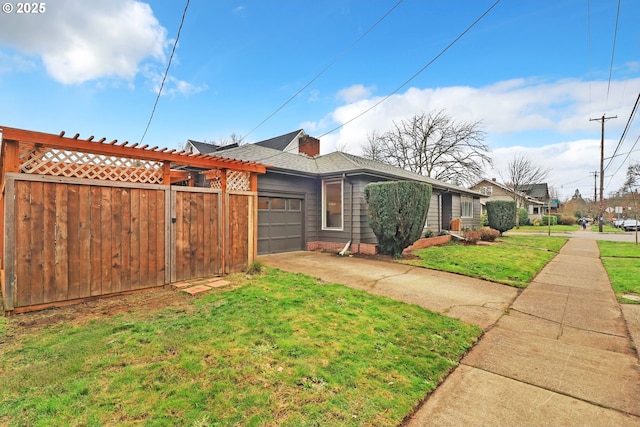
(463, 201)
(324, 204)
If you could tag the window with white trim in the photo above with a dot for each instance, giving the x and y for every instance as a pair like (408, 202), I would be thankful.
(487, 191)
(332, 209)
(466, 207)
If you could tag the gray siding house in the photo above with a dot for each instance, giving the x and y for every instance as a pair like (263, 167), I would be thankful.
(309, 201)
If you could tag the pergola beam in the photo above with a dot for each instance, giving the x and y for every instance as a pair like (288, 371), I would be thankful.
(174, 157)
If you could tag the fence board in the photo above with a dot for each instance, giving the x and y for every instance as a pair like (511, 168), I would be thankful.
(96, 241)
(105, 249)
(125, 239)
(73, 242)
(84, 237)
(48, 236)
(36, 278)
(61, 257)
(23, 241)
(152, 241)
(144, 237)
(161, 253)
(116, 239)
(134, 242)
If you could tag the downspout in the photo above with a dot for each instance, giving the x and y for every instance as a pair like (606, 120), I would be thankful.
(344, 176)
(439, 212)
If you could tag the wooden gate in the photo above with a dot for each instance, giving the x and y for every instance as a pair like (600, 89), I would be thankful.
(84, 218)
(195, 233)
(72, 240)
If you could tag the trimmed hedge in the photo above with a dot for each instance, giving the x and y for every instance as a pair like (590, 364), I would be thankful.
(501, 215)
(397, 212)
(547, 218)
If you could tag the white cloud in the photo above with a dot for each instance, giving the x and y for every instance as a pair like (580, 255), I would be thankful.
(355, 93)
(81, 41)
(547, 121)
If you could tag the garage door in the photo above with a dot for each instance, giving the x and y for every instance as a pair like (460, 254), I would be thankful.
(280, 224)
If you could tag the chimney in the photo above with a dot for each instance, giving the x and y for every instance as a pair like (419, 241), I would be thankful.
(493, 179)
(309, 145)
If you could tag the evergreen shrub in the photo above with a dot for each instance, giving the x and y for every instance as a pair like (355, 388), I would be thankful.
(397, 212)
(501, 215)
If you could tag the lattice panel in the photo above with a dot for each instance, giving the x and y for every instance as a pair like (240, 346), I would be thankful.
(75, 164)
(236, 180)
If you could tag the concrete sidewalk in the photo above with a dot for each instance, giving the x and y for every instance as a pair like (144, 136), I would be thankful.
(561, 357)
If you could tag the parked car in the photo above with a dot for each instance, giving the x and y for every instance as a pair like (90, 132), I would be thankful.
(630, 224)
(618, 222)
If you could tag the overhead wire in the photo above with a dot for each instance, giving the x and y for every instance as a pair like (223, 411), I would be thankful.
(613, 50)
(589, 48)
(331, 64)
(624, 132)
(166, 72)
(434, 59)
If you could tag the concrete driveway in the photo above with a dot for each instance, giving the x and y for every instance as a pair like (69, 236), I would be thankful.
(471, 300)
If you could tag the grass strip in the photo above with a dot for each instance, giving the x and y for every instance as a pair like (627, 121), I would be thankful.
(620, 259)
(282, 349)
(513, 260)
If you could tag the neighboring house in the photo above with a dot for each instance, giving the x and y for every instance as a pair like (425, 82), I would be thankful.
(535, 197)
(198, 147)
(312, 201)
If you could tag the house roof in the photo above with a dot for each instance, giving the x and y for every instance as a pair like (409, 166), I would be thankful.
(275, 158)
(330, 164)
(539, 191)
(280, 142)
(524, 194)
(203, 147)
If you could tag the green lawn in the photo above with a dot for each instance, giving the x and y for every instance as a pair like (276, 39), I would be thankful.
(278, 350)
(545, 228)
(513, 260)
(622, 262)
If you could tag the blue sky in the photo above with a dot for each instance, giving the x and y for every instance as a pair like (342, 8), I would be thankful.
(532, 72)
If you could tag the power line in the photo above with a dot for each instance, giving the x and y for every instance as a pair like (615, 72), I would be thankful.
(625, 160)
(613, 50)
(435, 58)
(336, 59)
(589, 47)
(624, 132)
(403, 84)
(166, 72)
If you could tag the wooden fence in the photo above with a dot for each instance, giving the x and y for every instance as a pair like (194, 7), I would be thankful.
(66, 239)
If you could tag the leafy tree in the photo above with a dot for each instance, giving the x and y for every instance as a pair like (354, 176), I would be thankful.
(501, 215)
(397, 213)
(433, 145)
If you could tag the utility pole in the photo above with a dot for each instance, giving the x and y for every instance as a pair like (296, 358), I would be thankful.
(595, 186)
(601, 213)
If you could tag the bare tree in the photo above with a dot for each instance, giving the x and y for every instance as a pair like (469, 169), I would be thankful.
(433, 145)
(522, 173)
(633, 176)
(234, 138)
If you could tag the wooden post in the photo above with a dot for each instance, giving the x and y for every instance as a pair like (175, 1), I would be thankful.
(9, 268)
(12, 156)
(166, 173)
(253, 219)
(224, 229)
